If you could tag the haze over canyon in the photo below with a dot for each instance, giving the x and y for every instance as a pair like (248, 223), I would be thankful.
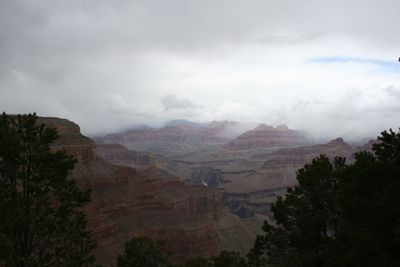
(200, 188)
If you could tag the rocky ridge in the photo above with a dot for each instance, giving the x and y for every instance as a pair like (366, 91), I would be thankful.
(192, 220)
(265, 136)
(120, 155)
(176, 138)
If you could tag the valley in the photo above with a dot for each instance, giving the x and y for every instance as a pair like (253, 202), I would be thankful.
(248, 169)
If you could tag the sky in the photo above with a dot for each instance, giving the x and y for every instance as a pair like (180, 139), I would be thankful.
(326, 67)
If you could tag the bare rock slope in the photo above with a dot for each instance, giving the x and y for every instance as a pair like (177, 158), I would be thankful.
(265, 136)
(191, 219)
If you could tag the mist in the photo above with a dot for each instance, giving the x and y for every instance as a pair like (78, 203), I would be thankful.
(326, 67)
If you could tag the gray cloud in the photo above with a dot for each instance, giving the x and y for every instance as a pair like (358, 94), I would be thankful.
(172, 102)
(393, 92)
(107, 64)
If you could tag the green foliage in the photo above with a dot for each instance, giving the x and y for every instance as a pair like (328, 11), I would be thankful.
(142, 251)
(41, 219)
(339, 214)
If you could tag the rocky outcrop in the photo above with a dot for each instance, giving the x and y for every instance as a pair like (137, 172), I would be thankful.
(297, 157)
(120, 155)
(265, 136)
(71, 141)
(176, 138)
(191, 219)
(206, 176)
(128, 203)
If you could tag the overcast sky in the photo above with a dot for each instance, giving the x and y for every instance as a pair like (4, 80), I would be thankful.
(328, 67)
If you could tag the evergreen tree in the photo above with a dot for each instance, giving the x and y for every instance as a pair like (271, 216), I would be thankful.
(198, 262)
(42, 223)
(338, 214)
(228, 259)
(142, 251)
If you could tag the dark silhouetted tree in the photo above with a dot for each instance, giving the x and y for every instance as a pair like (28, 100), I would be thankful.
(228, 259)
(142, 251)
(339, 214)
(42, 223)
(198, 262)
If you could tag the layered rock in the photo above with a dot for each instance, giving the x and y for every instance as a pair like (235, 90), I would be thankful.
(297, 157)
(71, 141)
(191, 219)
(176, 138)
(265, 136)
(120, 155)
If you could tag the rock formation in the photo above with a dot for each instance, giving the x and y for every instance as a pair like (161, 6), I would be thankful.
(120, 155)
(297, 157)
(256, 192)
(265, 136)
(250, 181)
(191, 219)
(77, 145)
(176, 138)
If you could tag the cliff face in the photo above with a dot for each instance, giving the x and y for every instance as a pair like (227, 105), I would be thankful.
(71, 140)
(297, 157)
(128, 203)
(191, 219)
(175, 139)
(264, 136)
(119, 155)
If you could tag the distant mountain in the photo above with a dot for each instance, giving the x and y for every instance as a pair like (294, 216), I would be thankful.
(177, 137)
(295, 158)
(183, 122)
(265, 136)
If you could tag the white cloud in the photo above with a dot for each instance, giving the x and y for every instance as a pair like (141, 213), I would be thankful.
(110, 65)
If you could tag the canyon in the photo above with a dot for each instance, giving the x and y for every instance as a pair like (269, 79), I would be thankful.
(191, 220)
(199, 188)
(251, 168)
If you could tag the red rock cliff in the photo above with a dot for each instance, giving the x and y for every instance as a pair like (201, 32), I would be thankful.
(71, 141)
(128, 203)
(264, 136)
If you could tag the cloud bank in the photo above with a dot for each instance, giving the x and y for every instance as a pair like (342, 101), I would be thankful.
(327, 67)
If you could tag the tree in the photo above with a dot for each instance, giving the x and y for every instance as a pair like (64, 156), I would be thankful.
(42, 222)
(370, 206)
(224, 259)
(228, 259)
(142, 251)
(198, 262)
(305, 219)
(339, 214)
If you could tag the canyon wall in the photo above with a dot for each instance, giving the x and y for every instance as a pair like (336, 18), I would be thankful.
(192, 220)
(265, 136)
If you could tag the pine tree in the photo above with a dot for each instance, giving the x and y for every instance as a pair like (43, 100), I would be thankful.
(142, 251)
(339, 214)
(42, 222)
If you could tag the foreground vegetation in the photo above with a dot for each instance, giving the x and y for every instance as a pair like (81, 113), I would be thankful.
(42, 223)
(339, 214)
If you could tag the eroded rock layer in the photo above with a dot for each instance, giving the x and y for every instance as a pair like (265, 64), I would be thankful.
(176, 139)
(119, 155)
(191, 219)
(71, 140)
(265, 136)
